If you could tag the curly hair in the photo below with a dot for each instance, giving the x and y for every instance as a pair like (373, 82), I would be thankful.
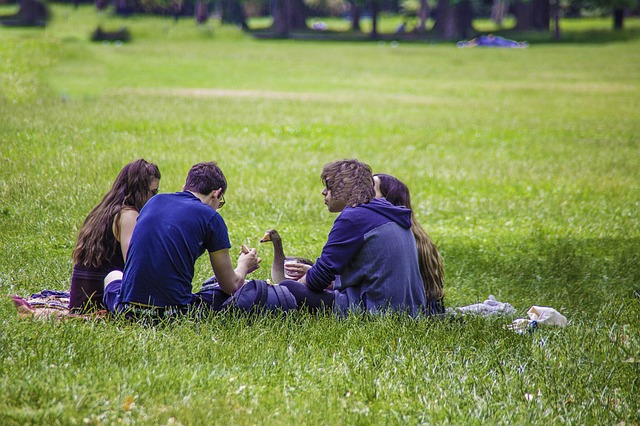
(96, 242)
(350, 181)
(431, 262)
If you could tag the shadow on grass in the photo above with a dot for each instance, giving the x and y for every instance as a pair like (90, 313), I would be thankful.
(579, 274)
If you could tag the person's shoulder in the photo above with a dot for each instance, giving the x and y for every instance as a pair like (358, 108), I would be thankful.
(184, 197)
(380, 202)
(128, 211)
(353, 216)
(127, 215)
(365, 209)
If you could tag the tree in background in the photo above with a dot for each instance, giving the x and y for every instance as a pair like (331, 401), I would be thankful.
(32, 13)
(202, 12)
(354, 9)
(289, 15)
(453, 19)
(532, 15)
(423, 15)
(233, 13)
(374, 6)
(420, 10)
(617, 7)
(499, 10)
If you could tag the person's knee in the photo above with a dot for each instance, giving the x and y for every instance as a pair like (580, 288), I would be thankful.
(112, 284)
(111, 277)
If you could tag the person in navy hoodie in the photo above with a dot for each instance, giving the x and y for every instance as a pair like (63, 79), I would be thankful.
(369, 262)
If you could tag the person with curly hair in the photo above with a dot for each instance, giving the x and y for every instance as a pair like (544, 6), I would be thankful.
(429, 259)
(103, 240)
(370, 258)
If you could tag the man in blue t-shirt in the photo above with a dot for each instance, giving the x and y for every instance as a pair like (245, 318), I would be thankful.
(172, 232)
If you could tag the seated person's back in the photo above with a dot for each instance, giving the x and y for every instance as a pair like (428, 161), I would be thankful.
(173, 230)
(171, 233)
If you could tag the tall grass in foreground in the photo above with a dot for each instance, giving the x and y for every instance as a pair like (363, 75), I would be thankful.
(522, 166)
(301, 369)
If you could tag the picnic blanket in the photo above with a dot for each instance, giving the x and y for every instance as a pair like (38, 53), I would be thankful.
(49, 304)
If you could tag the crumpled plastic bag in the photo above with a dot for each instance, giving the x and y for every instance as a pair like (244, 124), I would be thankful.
(547, 316)
(489, 307)
(538, 315)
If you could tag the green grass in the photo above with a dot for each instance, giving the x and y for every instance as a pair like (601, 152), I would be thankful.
(523, 167)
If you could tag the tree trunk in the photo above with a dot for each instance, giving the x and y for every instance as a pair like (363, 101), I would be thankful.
(541, 14)
(297, 15)
(355, 15)
(280, 14)
(176, 9)
(423, 16)
(522, 13)
(618, 19)
(233, 13)
(556, 18)
(101, 4)
(122, 8)
(32, 13)
(499, 11)
(532, 15)
(453, 21)
(375, 8)
(288, 15)
(202, 12)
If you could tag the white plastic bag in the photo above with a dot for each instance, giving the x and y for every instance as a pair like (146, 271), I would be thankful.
(538, 315)
(547, 316)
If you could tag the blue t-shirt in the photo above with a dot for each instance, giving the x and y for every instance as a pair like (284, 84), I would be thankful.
(172, 231)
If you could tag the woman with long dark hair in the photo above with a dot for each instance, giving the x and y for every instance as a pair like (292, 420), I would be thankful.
(103, 240)
(430, 261)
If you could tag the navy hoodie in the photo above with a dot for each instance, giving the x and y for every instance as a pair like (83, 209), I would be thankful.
(371, 257)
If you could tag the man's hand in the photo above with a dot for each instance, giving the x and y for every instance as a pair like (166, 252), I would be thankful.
(248, 260)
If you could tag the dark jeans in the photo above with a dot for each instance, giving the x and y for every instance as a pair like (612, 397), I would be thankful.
(311, 299)
(209, 298)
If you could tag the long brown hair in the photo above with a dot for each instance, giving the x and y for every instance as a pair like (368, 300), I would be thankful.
(96, 242)
(431, 263)
(350, 181)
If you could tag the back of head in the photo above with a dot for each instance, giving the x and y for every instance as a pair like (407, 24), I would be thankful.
(134, 181)
(394, 190)
(204, 178)
(350, 181)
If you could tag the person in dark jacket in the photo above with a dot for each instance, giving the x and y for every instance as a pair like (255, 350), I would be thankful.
(370, 261)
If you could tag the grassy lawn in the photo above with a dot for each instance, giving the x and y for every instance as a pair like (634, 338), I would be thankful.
(523, 166)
